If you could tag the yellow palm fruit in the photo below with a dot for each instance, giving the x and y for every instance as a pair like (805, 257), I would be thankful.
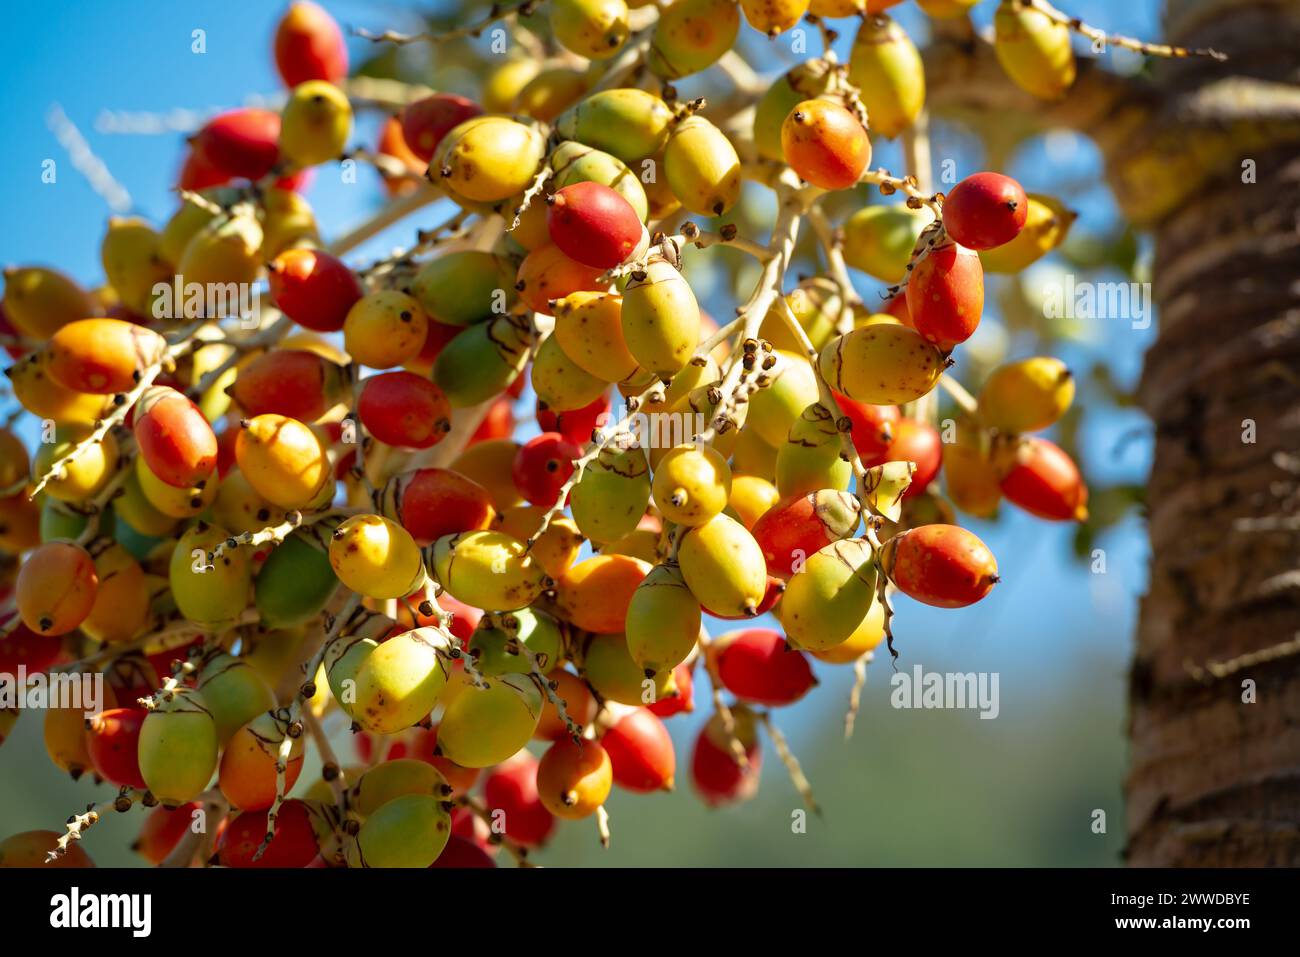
(385, 329)
(172, 501)
(691, 35)
(612, 494)
(663, 621)
(753, 456)
(555, 549)
(38, 393)
(589, 328)
(881, 365)
(315, 123)
(774, 409)
(702, 167)
(121, 607)
(878, 239)
(488, 159)
(1026, 395)
(559, 381)
(886, 66)
(945, 9)
(226, 250)
(1033, 49)
(41, 301)
(807, 81)
(1047, 223)
(829, 598)
(660, 318)
(773, 17)
(750, 497)
(864, 638)
(595, 29)
(131, 253)
(691, 484)
(811, 458)
(287, 220)
(723, 567)
(487, 569)
(550, 93)
(505, 81)
(376, 557)
(489, 464)
(82, 478)
(628, 123)
(283, 460)
(210, 593)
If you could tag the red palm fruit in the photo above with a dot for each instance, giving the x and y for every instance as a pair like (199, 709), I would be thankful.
(24, 648)
(717, 776)
(873, 427)
(940, 565)
(792, 530)
(682, 699)
(593, 224)
(404, 410)
(113, 743)
(985, 210)
(757, 665)
(511, 787)
(431, 502)
(240, 143)
(547, 274)
(1041, 478)
(498, 422)
(309, 46)
(641, 752)
(294, 843)
(198, 174)
(313, 288)
(392, 143)
(775, 589)
(921, 443)
(542, 465)
(945, 295)
(162, 830)
(576, 425)
(56, 587)
(825, 144)
(425, 122)
(299, 383)
(175, 440)
(461, 852)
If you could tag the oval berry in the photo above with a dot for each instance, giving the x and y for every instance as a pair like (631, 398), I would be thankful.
(640, 752)
(404, 410)
(945, 295)
(113, 742)
(293, 845)
(593, 224)
(941, 565)
(985, 210)
(240, 143)
(425, 122)
(796, 528)
(309, 46)
(297, 383)
(313, 288)
(511, 788)
(825, 144)
(873, 427)
(542, 465)
(917, 442)
(1041, 478)
(757, 665)
(174, 438)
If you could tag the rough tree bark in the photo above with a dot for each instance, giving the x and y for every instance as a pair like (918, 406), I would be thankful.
(1214, 780)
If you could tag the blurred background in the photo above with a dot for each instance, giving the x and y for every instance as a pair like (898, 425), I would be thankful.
(911, 787)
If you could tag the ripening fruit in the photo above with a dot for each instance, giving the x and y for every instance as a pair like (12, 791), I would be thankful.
(574, 163)
(775, 409)
(488, 159)
(315, 123)
(399, 682)
(1047, 223)
(663, 620)
(163, 829)
(425, 122)
(613, 674)
(55, 590)
(64, 732)
(240, 143)
(702, 167)
(661, 319)
(297, 383)
(547, 275)
(628, 123)
(825, 144)
(464, 287)
(82, 478)
(773, 17)
(945, 295)
(511, 789)
(226, 250)
(611, 496)
(376, 557)
(807, 81)
(430, 503)
(488, 463)
(408, 831)
(246, 774)
(555, 549)
(886, 67)
(640, 752)
(691, 35)
(881, 365)
(1040, 477)
(723, 567)
(756, 665)
(971, 480)
(863, 640)
(174, 438)
(812, 457)
(574, 778)
(595, 594)
(40, 302)
(283, 460)
(579, 705)
(309, 46)
(121, 606)
(873, 427)
(879, 239)
(817, 303)
(593, 225)
(1026, 395)
(135, 513)
(716, 774)
(487, 569)
(985, 210)
(1033, 49)
(589, 329)
(483, 360)
(133, 261)
(393, 779)
(20, 524)
(233, 692)
(31, 849)
(797, 527)
(751, 497)
(484, 726)
(595, 29)
(504, 82)
(691, 484)
(551, 92)
(940, 565)
(313, 288)
(103, 356)
(294, 843)
(542, 466)
(295, 583)
(178, 747)
(827, 599)
(112, 742)
(385, 329)
(38, 392)
(404, 410)
(172, 501)
(209, 594)
(921, 444)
